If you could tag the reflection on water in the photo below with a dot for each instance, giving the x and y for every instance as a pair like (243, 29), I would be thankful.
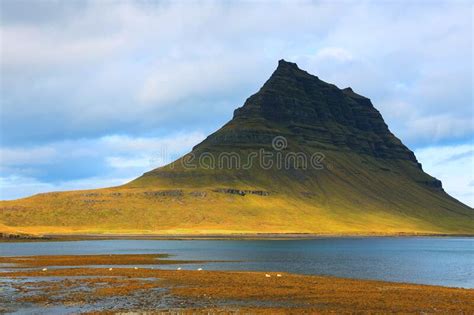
(440, 261)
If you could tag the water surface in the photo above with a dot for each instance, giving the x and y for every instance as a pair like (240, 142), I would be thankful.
(444, 261)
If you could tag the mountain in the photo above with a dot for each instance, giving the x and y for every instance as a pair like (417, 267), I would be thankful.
(300, 156)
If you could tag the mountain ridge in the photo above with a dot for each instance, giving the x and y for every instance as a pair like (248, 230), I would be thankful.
(366, 180)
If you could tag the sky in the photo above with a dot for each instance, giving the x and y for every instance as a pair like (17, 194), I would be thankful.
(95, 93)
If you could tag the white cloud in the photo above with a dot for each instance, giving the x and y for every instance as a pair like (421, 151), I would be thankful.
(14, 187)
(170, 82)
(108, 145)
(174, 143)
(439, 127)
(334, 53)
(121, 162)
(33, 47)
(19, 156)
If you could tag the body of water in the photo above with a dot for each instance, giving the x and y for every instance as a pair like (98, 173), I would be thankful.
(443, 261)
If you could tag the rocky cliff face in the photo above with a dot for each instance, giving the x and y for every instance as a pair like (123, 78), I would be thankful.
(313, 113)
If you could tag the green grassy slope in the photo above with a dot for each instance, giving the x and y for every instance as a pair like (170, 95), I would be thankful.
(369, 182)
(349, 196)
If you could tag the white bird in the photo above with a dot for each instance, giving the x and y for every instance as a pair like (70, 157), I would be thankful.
(45, 269)
(110, 269)
(135, 268)
(267, 275)
(278, 275)
(199, 269)
(179, 268)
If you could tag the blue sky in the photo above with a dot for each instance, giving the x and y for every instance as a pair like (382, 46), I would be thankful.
(93, 94)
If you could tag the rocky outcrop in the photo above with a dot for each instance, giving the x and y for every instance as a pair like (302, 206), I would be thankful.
(241, 192)
(164, 193)
(434, 183)
(21, 237)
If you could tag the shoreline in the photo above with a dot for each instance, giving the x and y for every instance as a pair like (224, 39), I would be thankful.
(17, 237)
(129, 284)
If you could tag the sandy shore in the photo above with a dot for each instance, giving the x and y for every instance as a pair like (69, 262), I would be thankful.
(124, 283)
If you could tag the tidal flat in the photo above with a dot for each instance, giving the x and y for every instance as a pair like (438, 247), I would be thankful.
(93, 284)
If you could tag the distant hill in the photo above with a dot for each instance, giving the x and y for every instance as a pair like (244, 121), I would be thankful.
(300, 156)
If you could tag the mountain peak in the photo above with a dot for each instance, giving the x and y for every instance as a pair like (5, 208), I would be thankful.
(315, 113)
(289, 69)
(282, 63)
